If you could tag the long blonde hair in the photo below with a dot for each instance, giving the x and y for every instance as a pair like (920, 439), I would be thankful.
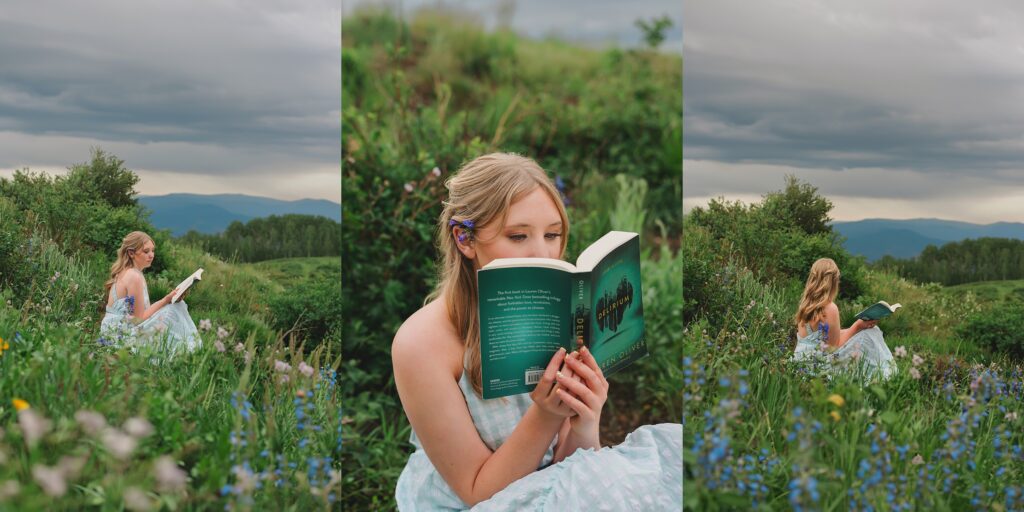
(131, 243)
(481, 191)
(821, 290)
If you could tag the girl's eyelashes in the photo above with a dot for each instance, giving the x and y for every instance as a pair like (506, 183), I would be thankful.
(519, 237)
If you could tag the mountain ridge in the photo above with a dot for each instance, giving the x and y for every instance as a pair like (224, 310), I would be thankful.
(906, 238)
(213, 213)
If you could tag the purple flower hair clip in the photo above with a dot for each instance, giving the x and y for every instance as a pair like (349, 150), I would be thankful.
(467, 229)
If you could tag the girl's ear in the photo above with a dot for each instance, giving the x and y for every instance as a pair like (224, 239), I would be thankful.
(465, 244)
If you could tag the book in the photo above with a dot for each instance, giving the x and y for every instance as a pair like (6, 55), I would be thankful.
(189, 282)
(878, 310)
(529, 307)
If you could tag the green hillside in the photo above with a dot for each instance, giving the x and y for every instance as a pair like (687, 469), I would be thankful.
(764, 432)
(991, 291)
(246, 422)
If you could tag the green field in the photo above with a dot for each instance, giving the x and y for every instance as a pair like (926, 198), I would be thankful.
(296, 272)
(991, 291)
(763, 432)
(249, 421)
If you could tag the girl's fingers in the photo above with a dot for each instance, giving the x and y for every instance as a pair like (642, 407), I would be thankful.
(588, 358)
(573, 402)
(593, 379)
(580, 390)
(547, 381)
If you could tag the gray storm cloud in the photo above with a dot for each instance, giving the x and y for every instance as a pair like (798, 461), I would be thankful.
(922, 100)
(216, 88)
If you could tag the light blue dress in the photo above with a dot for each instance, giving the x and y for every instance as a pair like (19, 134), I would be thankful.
(865, 354)
(169, 330)
(644, 472)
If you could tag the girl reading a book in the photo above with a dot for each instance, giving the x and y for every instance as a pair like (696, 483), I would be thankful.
(521, 452)
(130, 319)
(860, 347)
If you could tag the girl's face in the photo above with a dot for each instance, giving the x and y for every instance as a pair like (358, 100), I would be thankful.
(143, 258)
(533, 229)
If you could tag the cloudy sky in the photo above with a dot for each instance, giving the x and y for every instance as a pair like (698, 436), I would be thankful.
(196, 96)
(892, 109)
(592, 22)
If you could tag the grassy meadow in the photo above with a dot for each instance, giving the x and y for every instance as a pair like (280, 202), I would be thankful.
(765, 433)
(250, 421)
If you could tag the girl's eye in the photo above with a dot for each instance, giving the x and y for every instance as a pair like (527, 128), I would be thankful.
(517, 237)
(552, 236)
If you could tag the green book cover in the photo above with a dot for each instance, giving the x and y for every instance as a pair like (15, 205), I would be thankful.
(878, 310)
(529, 307)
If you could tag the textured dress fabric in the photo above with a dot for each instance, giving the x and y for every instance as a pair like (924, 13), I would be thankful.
(644, 472)
(169, 330)
(865, 354)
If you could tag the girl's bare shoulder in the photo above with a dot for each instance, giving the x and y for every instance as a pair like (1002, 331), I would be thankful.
(428, 336)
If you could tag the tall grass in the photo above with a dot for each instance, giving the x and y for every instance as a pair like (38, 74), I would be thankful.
(764, 433)
(249, 421)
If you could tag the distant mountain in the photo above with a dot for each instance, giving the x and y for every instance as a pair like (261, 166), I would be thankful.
(874, 238)
(214, 213)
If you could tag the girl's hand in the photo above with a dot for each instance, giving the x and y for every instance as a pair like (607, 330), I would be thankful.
(867, 324)
(543, 394)
(587, 396)
(167, 299)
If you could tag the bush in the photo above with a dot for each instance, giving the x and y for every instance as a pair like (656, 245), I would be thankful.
(998, 329)
(312, 314)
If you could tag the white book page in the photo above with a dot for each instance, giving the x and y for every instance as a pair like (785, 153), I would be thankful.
(184, 285)
(531, 262)
(592, 255)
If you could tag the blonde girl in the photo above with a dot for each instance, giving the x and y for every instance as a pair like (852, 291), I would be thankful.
(130, 318)
(518, 452)
(860, 346)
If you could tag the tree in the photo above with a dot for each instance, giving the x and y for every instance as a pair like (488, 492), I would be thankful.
(106, 178)
(654, 31)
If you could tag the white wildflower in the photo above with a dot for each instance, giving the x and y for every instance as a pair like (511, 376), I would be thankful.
(900, 351)
(92, 422)
(118, 443)
(219, 346)
(917, 460)
(9, 489)
(306, 369)
(51, 480)
(916, 360)
(205, 324)
(1010, 416)
(436, 172)
(284, 378)
(408, 187)
(239, 347)
(915, 374)
(282, 366)
(138, 427)
(70, 467)
(135, 499)
(33, 426)
(169, 477)
(222, 333)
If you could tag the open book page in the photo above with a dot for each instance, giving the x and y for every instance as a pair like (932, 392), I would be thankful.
(531, 262)
(598, 250)
(186, 284)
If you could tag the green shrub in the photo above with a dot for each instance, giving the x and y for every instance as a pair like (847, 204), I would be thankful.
(999, 329)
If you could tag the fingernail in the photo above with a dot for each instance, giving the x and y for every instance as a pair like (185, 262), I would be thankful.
(558, 375)
(561, 349)
(584, 349)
